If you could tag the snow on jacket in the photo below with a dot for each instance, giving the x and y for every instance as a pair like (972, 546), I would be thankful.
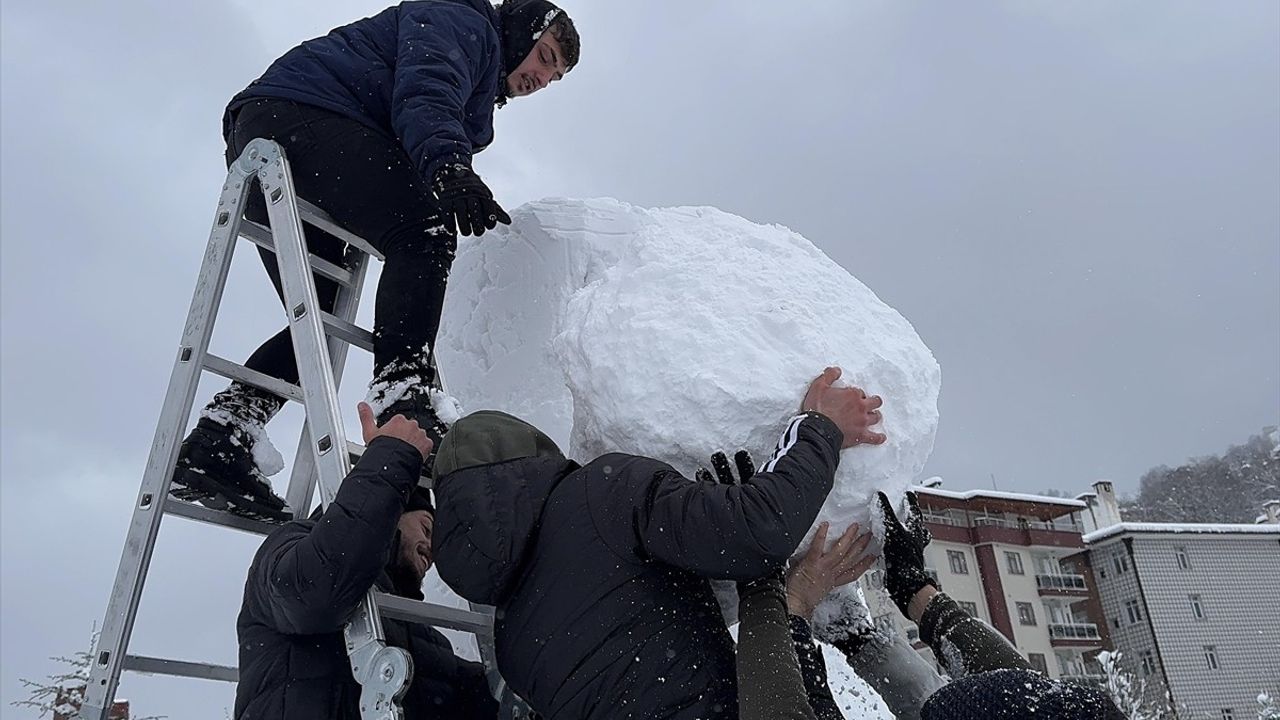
(425, 73)
(600, 573)
(303, 585)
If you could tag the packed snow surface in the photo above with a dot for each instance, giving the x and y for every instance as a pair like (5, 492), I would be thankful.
(677, 332)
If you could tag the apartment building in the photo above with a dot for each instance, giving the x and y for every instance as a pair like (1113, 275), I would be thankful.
(1016, 562)
(1194, 608)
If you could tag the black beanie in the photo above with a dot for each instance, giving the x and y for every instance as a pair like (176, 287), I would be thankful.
(420, 499)
(1015, 694)
(523, 22)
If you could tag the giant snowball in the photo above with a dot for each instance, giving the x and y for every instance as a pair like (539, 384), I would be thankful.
(677, 332)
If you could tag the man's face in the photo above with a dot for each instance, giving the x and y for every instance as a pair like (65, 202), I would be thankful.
(544, 65)
(415, 542)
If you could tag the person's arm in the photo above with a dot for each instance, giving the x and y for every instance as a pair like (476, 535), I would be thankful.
(770, 681)
(312, 582)
(819, 571)
(813, 670)
(962, 643)
(444, 51)
(742, 532)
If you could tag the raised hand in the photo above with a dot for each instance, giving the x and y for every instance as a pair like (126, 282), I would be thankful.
(848, 407)
(824, 569)
(904, 545)
(724, 474)
(467, 202)
(398, 427)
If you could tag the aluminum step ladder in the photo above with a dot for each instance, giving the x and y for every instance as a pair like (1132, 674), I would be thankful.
(320, 342)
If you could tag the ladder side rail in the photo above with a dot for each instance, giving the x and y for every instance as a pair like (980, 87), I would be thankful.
(302, 480)
(383, 672)
(126, 593)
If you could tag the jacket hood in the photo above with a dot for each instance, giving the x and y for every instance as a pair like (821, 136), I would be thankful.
(487, 518)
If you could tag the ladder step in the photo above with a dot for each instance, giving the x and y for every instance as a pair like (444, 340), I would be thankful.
(260, 235)
(180, 668)
(319, 218)
(347, 332)
(416, 611)
(235, 371)
(200, 513)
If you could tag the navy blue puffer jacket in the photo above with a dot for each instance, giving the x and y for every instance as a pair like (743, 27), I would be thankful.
(425, 73)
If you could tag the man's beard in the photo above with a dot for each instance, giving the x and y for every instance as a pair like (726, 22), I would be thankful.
(404, 574)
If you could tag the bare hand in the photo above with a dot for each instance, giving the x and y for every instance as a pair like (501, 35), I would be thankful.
(822, 570)
(398, 427)
(848, 407)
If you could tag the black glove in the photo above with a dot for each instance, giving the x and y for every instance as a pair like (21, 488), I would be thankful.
(724, 473)
(464, 196)
(904, 552)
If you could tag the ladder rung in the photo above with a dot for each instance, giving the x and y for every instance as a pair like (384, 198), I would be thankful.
(314, 215)
(200, 513)
(180, 668)
(347, 332)
(398, 608)
(240, 373)
(260, 235)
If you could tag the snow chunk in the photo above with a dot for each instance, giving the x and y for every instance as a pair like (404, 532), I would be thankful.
(677, 332)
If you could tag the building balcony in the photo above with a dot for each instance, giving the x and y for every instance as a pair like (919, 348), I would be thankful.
(1062, 584)
(1000, 530)
(1074, 635)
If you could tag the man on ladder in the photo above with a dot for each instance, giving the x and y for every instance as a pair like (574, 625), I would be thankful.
(379, 120)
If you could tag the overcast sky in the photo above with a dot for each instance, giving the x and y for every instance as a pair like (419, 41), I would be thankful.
(1076, 204)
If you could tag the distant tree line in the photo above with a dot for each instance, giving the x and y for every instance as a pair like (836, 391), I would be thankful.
(1227, 488)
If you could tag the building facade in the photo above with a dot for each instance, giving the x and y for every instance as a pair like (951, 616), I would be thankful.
(1016, 562)
(1194, 608)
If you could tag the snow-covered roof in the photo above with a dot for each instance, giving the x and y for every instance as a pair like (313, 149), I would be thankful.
(1204, 528)
(999, 495)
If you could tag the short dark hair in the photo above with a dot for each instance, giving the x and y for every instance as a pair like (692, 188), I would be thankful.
(563, 30)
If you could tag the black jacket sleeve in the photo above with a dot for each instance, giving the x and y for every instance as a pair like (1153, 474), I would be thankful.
(741, 532)
(309, 579)
(814, 671)
(964, 644)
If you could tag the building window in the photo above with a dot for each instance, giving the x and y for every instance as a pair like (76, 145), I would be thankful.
(1184, 563)
(1197, 608)
(1038, 663)
(1228, 714)
(1133, 610)
(1148, 662)
(971, 608)
(959, 566)
(1014, 561)
(1211, 657)
(1026, 614)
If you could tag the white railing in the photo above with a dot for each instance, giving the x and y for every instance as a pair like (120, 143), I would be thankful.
(1061, 582)
(1074, 631)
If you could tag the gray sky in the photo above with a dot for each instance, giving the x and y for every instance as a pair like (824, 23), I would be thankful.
(1076, 204)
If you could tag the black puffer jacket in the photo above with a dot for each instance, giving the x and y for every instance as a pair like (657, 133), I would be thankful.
(599, 573)
(303, 585)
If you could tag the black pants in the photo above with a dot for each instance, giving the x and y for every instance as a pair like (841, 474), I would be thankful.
(368, 184)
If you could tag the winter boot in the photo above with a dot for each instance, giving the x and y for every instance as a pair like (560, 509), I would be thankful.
(216, 468)
(417, 405)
